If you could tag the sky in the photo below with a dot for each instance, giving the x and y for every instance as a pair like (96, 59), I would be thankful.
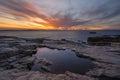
(60, 14)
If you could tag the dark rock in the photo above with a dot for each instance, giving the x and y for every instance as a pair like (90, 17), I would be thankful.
(92, 32)
(84, 56)
(11, 59)
(103, 40)
(46, 68)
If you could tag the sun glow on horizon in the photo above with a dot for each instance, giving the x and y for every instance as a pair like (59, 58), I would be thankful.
(61, 15)
(38, 24)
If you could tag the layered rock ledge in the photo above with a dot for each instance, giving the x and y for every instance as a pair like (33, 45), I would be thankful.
(16, 59)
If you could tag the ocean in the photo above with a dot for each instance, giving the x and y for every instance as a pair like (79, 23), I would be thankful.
(81, 35)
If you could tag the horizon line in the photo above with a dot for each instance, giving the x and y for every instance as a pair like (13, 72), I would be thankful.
(52, 30)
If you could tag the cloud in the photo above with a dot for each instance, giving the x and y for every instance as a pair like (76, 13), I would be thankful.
(67, 20)
(107, 13)
(20, 8)
(104, 14)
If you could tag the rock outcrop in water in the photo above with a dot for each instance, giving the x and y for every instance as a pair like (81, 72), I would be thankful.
(16, 59)
(104, 40)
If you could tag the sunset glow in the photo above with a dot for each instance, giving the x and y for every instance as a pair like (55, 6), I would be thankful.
(59, 14)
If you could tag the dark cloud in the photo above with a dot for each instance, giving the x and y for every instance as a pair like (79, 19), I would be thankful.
(67, 20)
(106, 12)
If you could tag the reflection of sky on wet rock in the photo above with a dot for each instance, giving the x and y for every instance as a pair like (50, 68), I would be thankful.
(63, 60)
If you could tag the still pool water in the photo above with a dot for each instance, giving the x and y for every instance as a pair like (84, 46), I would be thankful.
(63, 60)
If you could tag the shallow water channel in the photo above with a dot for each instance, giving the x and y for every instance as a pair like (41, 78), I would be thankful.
(62, 60)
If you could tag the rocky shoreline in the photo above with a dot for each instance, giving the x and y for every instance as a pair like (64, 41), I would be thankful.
(16, 58)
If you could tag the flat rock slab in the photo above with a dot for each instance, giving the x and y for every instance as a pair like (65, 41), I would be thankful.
(31, 75)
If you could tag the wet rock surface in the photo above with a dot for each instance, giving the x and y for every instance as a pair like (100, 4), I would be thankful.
(16, 59)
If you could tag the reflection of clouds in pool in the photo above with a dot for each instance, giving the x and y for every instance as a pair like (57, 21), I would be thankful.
(63, 60)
